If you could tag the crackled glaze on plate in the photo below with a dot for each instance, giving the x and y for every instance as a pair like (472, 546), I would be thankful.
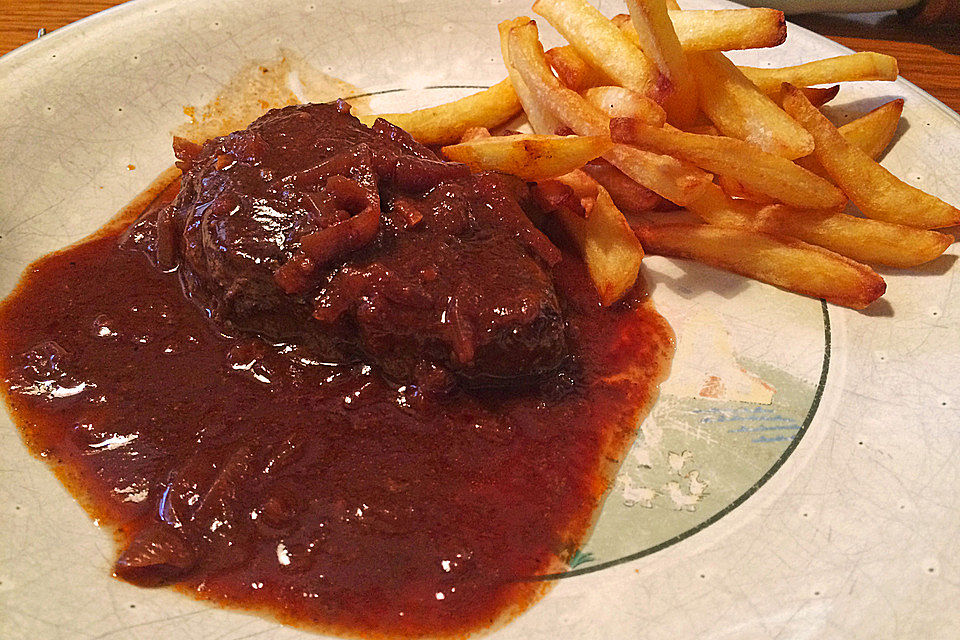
(852, 536)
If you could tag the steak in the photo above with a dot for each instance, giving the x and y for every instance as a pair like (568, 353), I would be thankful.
(361, 245)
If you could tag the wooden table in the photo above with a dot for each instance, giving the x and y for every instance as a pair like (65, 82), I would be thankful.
(929, 56)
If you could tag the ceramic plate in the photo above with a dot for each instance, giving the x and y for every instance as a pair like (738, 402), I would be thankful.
(797, 478)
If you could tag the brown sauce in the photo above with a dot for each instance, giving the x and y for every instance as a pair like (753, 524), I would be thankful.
(333, 499)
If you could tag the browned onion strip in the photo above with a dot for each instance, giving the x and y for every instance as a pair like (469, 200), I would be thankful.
(328, 244)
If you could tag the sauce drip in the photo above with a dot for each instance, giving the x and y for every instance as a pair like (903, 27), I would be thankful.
(322, 495)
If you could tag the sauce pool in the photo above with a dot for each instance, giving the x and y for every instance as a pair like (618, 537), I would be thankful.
(326, 497)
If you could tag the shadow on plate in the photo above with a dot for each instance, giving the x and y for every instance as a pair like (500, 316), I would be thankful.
(937, 267)
(695, 280)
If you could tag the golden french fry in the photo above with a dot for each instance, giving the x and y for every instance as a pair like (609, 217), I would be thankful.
(877, 193)
(446, 123)
(729, 29)
(715, 207)
(475, 133)
(629, 196)
(603, 46)
(816, 95)
(739, 110)
(703, 129)
(540, 119)
(758, 170)
(777, 260)
(574, 72)
(735, 189)
(723, 30)
(606, 242)
(673, 179)
(865, 65)
(618, 102)
(871, 133)
(862, 239)
(566, 105)
(530, 156)
(658, 39)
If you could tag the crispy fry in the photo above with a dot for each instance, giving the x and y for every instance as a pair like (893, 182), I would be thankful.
(703, 129)
(739, 110)
(723, 30)
(878, 193)
(540, 119)
(527, 56)
(735, 189)
(758, 170)
(575, 72)
(602, 45)
(629, 196)
(673, 179)
(530, 156)
(608, 246)
(865, 65)
(862, 239)
(475, 133)
(618, 102)
(729, 29)
(715, 207)
(816, 95)
(777, 260)
(871, 133)
(659, 41)
(446, 123)
(696, 31)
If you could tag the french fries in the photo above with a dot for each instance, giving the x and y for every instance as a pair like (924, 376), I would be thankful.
(734, 188)
(618, 102)
(602, 45)
(778, 260)
(528, 58)
(724, 30)
(758, 170)
(816, 95)
(608, 246)
(530, 156)
(658, 39)
(575, 72)
(739, 110)
(862, 239)
(762, 168)
(865, 65)
(871, 133)
(630, 196)
(729, 29)
(673, 179)
(446, 123)
(541, 120)
(877, 193)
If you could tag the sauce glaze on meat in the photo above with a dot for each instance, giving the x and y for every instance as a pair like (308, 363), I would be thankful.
(429, 418)
(361, 245)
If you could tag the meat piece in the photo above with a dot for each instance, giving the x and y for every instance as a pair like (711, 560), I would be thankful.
(361, 245)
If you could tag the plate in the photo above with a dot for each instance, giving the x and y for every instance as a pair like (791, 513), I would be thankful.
(796, 478)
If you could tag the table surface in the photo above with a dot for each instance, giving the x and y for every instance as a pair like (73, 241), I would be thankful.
(928, 56)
